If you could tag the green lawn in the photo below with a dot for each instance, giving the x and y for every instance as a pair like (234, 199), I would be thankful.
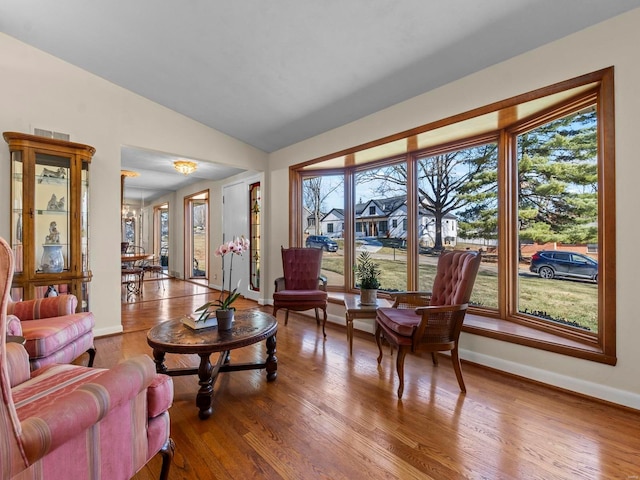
(562, 300)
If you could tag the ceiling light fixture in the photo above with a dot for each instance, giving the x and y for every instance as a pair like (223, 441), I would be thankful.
(185, 167)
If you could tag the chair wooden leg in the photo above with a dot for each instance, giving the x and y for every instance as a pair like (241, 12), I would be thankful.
(92, 356)
(166, 451)
(457, 368)
(402, 352)
(324, 322)
(434, 357)
(379, 341)
(286, 316)
(318, 317)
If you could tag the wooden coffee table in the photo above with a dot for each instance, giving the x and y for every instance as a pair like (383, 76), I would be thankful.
(249, 327)
(354, 309)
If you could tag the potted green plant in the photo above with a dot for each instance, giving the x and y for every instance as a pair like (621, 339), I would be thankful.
(367, 273)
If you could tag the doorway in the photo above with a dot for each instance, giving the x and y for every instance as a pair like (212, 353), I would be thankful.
(196, 242)
(161, 235)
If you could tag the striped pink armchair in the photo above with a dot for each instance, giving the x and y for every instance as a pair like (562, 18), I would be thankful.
(53, 331)
(74, 422)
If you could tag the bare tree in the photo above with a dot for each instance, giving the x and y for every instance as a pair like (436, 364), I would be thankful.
(316, 191)
(447, 182)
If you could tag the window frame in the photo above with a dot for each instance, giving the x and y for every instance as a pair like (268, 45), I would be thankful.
(506, 324)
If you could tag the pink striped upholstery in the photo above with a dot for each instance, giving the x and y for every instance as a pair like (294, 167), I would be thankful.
(43, 307)
(71, 422)
(17, 364)
(54, 332)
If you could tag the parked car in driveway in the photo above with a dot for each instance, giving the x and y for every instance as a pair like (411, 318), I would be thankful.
(553, 263)
(321, 241)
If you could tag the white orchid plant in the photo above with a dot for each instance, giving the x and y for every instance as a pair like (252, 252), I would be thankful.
(235, 247)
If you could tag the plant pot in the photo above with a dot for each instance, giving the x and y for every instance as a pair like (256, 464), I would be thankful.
(225, 319)
(368, 296)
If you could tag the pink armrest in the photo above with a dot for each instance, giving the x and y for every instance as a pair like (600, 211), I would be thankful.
(73, 413)
(159, 395)
(43, 307)
(14, 327)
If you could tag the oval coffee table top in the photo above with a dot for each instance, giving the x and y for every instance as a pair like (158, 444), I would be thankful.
(249, 327)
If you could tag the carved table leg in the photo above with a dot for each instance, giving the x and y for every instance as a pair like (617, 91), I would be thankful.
(272, 360)
(158, 358)
(205, 394)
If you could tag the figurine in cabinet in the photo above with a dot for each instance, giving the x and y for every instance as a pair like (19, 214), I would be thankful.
(47, 173)
(55, 204)
(54, 235)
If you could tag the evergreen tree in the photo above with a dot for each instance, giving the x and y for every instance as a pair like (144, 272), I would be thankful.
(558, 179)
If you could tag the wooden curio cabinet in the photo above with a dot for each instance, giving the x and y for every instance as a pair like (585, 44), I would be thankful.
(49, 217)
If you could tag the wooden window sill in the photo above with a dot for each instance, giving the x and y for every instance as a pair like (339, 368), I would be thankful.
(506, 331)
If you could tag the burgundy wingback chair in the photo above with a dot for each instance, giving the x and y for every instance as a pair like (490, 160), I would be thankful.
(431, 322)
(302, 287)
(73, 422)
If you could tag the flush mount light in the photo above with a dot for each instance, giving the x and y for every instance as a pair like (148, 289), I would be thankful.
(185, 167)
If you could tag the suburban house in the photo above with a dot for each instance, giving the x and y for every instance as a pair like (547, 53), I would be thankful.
(387, 218)
(41, 90)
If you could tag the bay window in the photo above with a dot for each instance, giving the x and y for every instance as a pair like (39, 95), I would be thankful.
(529, 181)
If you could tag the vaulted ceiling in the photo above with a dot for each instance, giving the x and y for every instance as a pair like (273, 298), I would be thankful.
(272, 73)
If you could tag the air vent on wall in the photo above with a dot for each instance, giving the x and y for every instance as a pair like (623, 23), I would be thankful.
(50, 134)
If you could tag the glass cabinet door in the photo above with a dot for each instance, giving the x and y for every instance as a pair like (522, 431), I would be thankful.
(52, 229)
(17, 176)
(84, 217)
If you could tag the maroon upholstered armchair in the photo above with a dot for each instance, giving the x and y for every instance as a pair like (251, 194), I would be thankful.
(302, 287)
(431, 322)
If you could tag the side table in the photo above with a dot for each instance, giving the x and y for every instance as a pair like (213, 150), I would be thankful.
(354, 309)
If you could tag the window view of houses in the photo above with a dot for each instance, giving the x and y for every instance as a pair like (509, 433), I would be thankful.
(458, 208)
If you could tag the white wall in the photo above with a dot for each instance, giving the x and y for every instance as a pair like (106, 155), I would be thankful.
(614, 42)
(42, 91)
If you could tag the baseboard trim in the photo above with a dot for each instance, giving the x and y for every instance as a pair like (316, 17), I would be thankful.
(563, 382)
(103, 332)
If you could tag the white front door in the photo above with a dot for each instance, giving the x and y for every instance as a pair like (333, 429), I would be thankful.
(235, 223)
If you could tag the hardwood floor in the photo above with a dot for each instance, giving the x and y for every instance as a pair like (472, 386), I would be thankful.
(332, 416)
